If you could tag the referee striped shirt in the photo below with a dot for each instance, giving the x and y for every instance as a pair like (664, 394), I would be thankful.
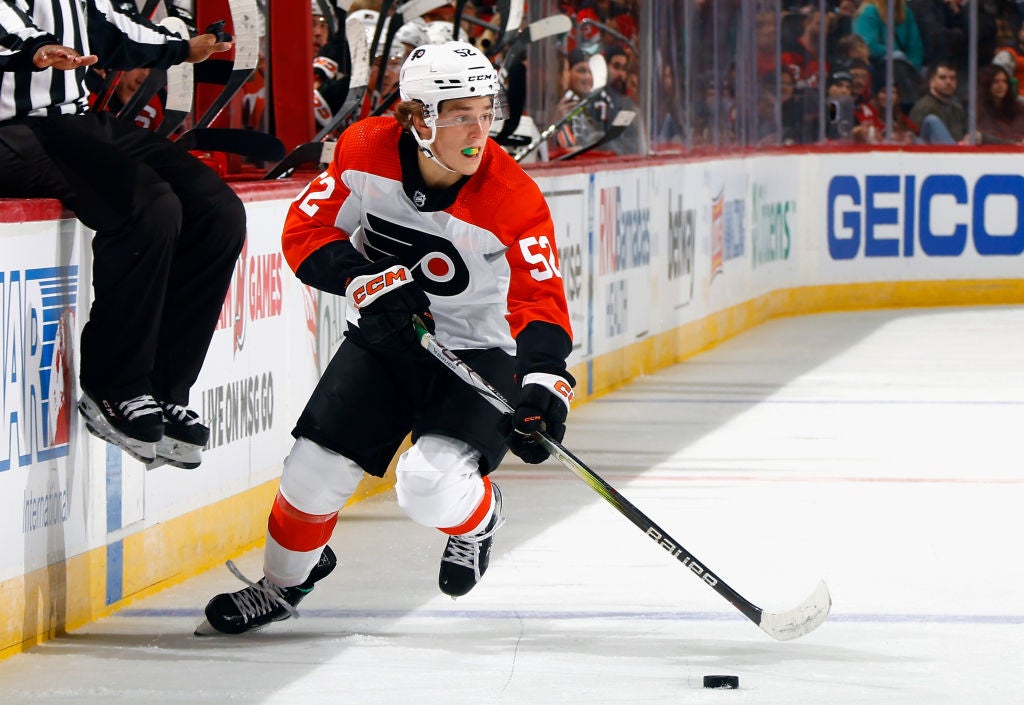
(88, 26)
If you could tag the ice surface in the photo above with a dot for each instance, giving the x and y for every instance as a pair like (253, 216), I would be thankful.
(880, 451)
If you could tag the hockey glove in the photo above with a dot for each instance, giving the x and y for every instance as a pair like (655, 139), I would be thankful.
(543, 406)
(387, 297)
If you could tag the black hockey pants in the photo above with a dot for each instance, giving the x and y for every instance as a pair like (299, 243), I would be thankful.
(168, 233)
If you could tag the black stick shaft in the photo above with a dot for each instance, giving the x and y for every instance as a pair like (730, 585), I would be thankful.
(597, 483)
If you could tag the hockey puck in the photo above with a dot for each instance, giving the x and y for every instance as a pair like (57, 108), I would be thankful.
(728, 682)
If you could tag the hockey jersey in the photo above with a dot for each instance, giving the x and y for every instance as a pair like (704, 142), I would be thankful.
(483, 250)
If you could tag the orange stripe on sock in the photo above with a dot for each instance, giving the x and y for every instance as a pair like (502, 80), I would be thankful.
(297, 531)
(477, 517)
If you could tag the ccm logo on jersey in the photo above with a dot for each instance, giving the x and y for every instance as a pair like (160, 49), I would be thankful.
(370, 287)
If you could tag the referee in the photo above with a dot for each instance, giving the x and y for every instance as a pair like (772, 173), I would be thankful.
(168, 230)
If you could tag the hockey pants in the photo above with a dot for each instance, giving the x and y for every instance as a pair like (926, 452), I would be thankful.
(437, 482)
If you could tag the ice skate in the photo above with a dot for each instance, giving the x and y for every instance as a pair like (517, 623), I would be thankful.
(135, 425)
(184, 438)
(260, 603)
(466, 557)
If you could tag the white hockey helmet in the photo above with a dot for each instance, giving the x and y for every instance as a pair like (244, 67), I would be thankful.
(437, 72)
(434, 73)
(369, 19)
(440, 31)
(413, 33)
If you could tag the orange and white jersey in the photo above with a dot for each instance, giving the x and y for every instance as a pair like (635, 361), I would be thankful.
(483, 251)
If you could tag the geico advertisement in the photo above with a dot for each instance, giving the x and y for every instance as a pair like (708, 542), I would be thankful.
(927, 211)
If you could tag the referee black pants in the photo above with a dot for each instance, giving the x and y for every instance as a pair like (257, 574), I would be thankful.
(168, 234)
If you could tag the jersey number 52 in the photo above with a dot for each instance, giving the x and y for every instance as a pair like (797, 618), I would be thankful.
(539, 252)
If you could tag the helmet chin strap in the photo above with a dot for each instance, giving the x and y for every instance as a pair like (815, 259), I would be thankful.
(425, 147)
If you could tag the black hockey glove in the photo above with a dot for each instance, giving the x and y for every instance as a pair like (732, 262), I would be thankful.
(387, 298)
(543, 406)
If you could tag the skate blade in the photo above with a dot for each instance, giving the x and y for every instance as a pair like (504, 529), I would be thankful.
(206, 629)
(143, 452)
(177, 454)
(160, 461)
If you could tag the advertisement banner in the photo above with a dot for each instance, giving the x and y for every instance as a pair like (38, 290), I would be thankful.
(45, 508)
(919, 217)
(621, 238)
(774, 221)
(675, 199)
(567, 199)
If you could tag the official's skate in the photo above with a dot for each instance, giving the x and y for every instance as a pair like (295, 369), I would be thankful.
(466, 558)
(184, 438)
(135, 425)
(260, 603)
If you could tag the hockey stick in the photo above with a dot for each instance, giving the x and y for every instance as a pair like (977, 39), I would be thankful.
(608, 30)
(599, 69)
(313, 152)
(409, 11)
(511, 13)
(460, 5)
(620, 123)
(245, 25)
(143, 94)
(328, 14)
(114, 77)
(382, 17)
(180, 84)
(308, 153)
(535, 31)
(541, 29)
(393, 24)
(482, 24)
(522, 38)
(783, 626)
(406, 12)
(252, 144)
(157, 78)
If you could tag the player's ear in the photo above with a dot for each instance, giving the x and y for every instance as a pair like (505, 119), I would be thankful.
(420, 126)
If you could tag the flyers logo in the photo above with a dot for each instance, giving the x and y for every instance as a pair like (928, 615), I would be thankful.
(441, 269)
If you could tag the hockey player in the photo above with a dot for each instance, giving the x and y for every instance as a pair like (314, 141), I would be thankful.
(418, 215)
(168, 231)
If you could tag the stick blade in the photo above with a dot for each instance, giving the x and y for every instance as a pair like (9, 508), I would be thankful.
(245, 23)
(549, 26)
(802, 619)
(359, 52)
